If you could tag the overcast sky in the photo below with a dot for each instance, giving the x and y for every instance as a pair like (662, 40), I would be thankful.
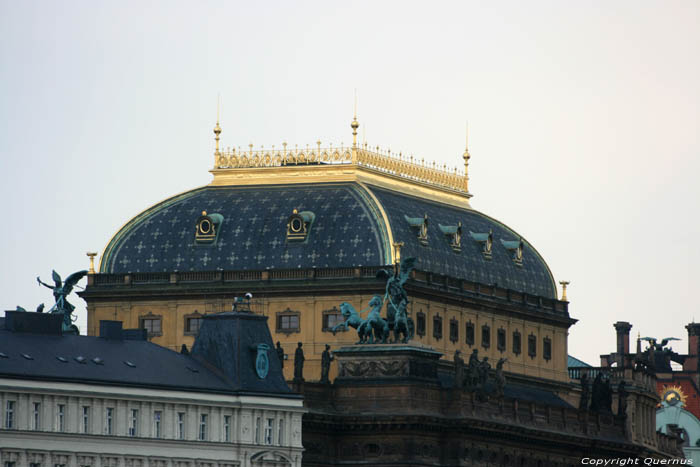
(583, 124)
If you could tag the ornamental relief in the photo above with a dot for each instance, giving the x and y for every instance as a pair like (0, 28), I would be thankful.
(373, 369)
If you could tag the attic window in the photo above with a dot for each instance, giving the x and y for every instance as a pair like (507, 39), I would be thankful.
(421, 225)
(193, 370)
(62, 359)
(98, 361)
(516, 249)
(299, 225)
(27, 356)
(80, 359)
(207, 228)
(2, 355)
(129, 364)
(454, 234)
(486, 239)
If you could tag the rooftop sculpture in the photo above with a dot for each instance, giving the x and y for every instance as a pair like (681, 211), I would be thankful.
(61, 290)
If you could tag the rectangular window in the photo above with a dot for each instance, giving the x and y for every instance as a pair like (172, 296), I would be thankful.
(86, 419)
(192, 325)
(470, 333)
(501, 339)
(181, 425)
(437, 327)
(331, 319)
(257, 430)
(420, 323)
(152, 326)
(531, 346)
(109, 420)
(280, 432)
(10, 415)
(454, 330)
(157, 416)
(61, 418)
(9, 464)
(288, 322)
(36, 416)
(485, 336)
(134, 423)
(547, 348)
(517, 344)
(268, 430)
(203, 427)
(227, 428)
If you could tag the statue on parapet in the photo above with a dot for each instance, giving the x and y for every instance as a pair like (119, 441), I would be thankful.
(500, 377)
(299, 364)
(326, 359)
(397, 299)
(459, 370)
(374, 328)
(61, 290)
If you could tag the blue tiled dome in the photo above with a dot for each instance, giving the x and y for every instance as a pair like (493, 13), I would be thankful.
(346, 229)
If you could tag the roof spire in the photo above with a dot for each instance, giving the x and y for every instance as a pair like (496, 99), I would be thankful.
(354, 125)
(466, 157)
(217, 128)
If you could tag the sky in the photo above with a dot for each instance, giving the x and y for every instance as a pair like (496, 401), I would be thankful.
(583, 126)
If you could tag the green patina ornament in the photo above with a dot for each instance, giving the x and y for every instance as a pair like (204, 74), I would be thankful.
(60, 291)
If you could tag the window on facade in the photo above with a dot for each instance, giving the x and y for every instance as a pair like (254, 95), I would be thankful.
(531, 346)
(181, 425)
(501, 339)
(134, 423)
(152, 326)
(257, 430)
(517, 344)
(61, 418)
(437, 327)
(454, 330)
(192, 324)
(227, 428)
(280, 432)
(203, 427)
(86, 419)
(485, 336)
(420, 323)
(470, 333)
(332, 318)
(9, 464)
(157, 417)
(36, 416)
(10, 415)
(288, 322)
(109, 420)
(268, 430)
(547, 348)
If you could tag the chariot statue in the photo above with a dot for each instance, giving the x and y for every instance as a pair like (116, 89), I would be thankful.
(61, 290)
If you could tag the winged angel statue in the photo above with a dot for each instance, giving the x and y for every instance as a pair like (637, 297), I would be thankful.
(61, 290)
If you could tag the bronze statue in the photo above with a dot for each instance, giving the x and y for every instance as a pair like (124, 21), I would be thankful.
(326, 359)
(299, 364)
(459, 370)
(280, 354)
(374, 327)
(585, 392)
(500, 377)
(397, 297)
(61, 290)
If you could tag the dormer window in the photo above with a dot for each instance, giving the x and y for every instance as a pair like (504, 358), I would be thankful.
(486, 240)
(420, 224)
(454, 233)
(207, 228)
(516, 249)
(299, 225)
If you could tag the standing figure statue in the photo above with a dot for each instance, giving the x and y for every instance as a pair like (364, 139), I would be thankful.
(459, 370)
(299, 364)
(397, 297)
(585, 392)
(622, 399)
(61, 290)
(484, 368)
(326, 359)
(473, 370)
(280, 354)
(500, 377)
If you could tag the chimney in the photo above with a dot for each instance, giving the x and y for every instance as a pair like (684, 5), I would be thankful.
(623, 337)
(691, 363)
(111, 329)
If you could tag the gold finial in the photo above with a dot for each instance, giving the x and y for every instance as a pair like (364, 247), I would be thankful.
(397, 252)
(204, 213)
(466, 157)
(563, 290)
(354, 125)
(217, 128)
(91, 255)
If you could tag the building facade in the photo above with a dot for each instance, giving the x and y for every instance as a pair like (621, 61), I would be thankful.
(118, 400)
